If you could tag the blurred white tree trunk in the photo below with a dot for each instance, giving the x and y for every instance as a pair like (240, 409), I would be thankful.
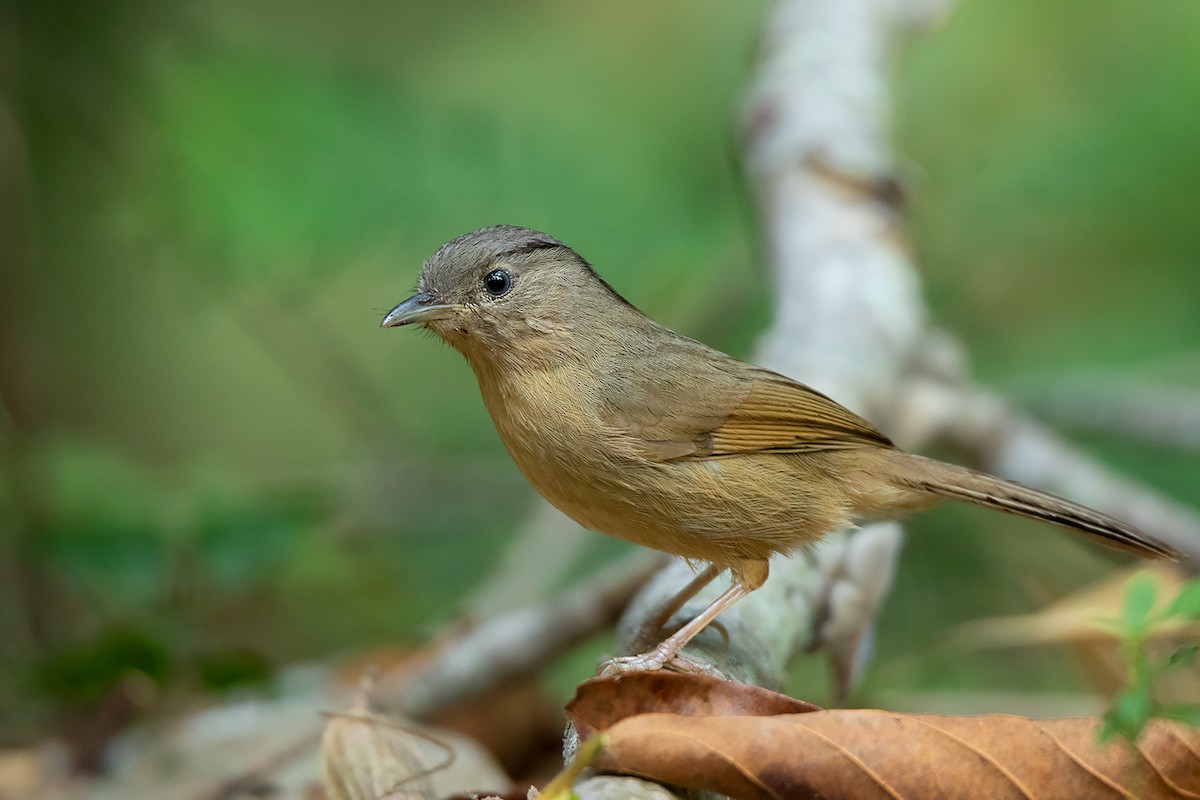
(848, 311)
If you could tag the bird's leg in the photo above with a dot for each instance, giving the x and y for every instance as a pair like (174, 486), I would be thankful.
(658, 622)
(747, 576)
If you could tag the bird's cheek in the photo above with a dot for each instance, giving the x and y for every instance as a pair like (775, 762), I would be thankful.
(539, 325)
(449, 330)
(456, 323)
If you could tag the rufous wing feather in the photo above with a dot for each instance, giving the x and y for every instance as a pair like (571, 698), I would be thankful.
(782, 416)
(763, 412)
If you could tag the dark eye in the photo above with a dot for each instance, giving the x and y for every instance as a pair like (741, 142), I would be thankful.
(497, 282)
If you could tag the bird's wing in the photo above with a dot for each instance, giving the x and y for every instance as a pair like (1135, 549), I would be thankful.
(734, 411)
(780, 415)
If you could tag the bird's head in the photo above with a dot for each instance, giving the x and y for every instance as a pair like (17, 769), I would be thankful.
(502, 286)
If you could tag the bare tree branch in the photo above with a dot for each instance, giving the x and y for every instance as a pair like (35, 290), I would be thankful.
(547, 538)
(848, 310)
(517, 642)
(1163, 415)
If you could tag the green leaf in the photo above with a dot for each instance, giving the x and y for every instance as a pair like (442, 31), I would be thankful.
(1187, 603)
(1130, 712)
(233, 668)
(85, 673)
(1183, 656)
(1139, 600)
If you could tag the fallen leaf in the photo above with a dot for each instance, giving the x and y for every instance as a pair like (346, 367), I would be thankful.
(600, 702)
(843, 754)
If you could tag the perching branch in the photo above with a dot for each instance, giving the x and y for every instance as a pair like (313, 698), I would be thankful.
(848, 312)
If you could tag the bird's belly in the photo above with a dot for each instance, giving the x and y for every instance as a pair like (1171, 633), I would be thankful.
(720, 510)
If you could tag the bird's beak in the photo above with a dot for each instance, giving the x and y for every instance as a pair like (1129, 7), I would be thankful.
(418, 308)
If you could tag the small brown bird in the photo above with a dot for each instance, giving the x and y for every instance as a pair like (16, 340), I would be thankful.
(635, 431)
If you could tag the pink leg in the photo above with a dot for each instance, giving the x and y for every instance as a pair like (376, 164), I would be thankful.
(747, 576)
(680, 598)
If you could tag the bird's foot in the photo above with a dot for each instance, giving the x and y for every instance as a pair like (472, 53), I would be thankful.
(623, 665)
(654, 660)
(692, 666)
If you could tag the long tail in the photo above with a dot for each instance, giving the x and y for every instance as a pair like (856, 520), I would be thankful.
(960, 483)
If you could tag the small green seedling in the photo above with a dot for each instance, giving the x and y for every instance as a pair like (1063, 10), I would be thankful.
(1136, 705)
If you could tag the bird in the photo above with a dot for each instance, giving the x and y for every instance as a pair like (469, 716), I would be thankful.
(638, 432)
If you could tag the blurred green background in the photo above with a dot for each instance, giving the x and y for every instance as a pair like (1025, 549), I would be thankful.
(214, 463)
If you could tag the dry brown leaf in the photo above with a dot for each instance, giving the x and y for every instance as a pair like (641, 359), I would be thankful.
(1077, 618)
(842, 754)
(600, 702)
(1077, 621)
(869, 754)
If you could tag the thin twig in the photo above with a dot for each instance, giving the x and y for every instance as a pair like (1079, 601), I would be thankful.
(516, 643)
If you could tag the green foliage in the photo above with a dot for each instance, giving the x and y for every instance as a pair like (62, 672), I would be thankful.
(233, 668)
(80, 676)
(83, 674)
(1135, 705)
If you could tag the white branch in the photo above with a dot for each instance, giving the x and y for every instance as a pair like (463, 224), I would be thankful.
(848, 309)
(1162, 415)
(847, 303)
(847, 313)
(517, 642)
